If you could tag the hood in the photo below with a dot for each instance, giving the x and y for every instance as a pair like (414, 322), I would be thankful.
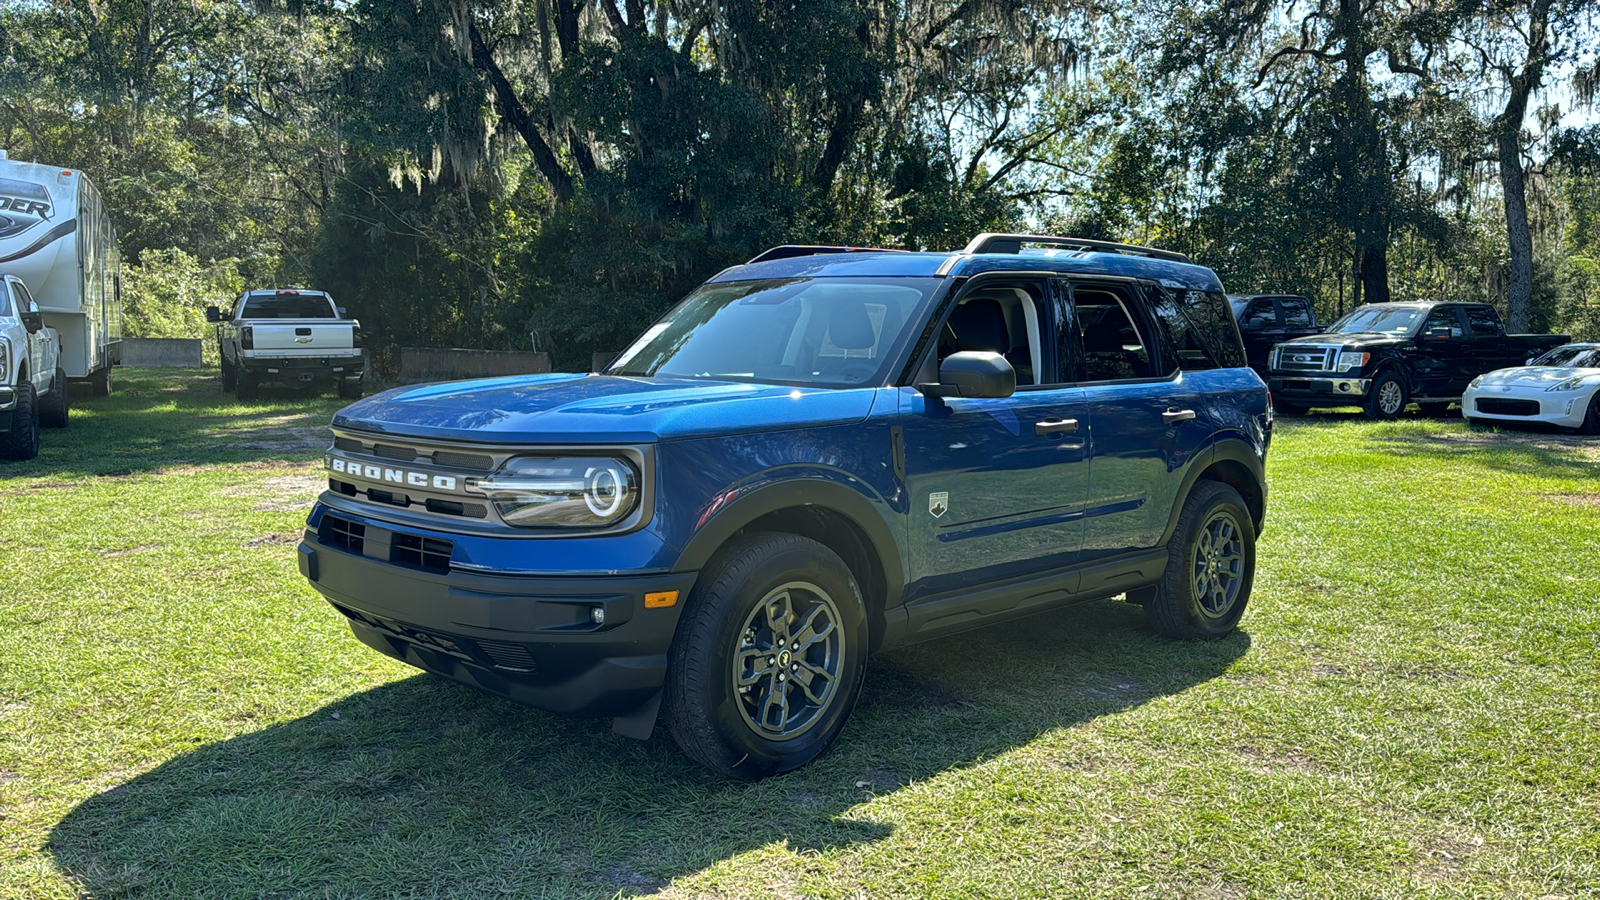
(546, 409)
(1359, 341)
(1535, 376)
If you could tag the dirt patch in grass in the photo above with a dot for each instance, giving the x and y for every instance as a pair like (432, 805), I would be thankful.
(142, 548)
(1548, 442)
(292, 492)
(1269, 762)
(275, 539)
(1445, 858)
(1589, 500)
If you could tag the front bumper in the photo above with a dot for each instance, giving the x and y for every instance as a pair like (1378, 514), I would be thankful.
(531, 639)
(1565, 409)
(1311, 390)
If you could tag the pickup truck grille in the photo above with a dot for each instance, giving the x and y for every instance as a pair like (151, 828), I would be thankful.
(1304, 358)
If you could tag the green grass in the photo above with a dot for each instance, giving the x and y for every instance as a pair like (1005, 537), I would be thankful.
(1411, 709)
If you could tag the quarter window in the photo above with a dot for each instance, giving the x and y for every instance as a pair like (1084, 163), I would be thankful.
(1196, 327)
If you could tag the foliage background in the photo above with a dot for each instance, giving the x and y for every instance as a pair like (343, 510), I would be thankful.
(553, 174)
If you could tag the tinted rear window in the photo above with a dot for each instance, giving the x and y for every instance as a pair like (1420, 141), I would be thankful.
(288, 306)
(1199, 327)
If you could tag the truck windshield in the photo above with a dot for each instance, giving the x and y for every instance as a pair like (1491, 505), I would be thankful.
(1381, 320)
(5, 301)
(830, 332)
(1575, 355)
(288, 306)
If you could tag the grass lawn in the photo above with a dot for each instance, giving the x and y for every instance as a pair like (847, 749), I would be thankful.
(1411, 708)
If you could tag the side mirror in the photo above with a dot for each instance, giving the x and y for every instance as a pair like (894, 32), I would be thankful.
(1530, 360)
(973, 373)
(1437, 334)
(32, 321)
(1254, 324)
(213, 314)
(343, 313)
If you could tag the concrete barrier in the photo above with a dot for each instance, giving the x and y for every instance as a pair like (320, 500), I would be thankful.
(430, 364)
(162, 352)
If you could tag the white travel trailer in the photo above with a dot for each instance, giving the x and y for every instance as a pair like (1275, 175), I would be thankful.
(56, 236)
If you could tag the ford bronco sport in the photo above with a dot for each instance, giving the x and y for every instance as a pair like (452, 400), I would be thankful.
(814, 456)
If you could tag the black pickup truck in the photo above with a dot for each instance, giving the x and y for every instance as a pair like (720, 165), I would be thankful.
(1267, 320)
(1383, 356)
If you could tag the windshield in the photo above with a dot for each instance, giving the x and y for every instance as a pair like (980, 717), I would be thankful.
(834, 332)
(1575, 355)
(288, 306)
(1380, 320)
(5, 299)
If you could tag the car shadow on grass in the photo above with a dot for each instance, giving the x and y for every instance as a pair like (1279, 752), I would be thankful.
(423, 787)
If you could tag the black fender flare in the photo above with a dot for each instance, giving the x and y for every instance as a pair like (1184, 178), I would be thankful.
(800, 492)
(1228, 449)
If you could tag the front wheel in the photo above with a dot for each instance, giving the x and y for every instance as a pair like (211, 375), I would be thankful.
(1388, 397)
(22, 441)
(768, 658)
(1285, 408)
(1211, 564)
(1591, 420)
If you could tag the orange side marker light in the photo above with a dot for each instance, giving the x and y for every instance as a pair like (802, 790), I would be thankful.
(660, 599)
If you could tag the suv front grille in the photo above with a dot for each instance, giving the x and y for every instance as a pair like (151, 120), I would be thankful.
(421, 552)
(339, 532)
(1305, 358)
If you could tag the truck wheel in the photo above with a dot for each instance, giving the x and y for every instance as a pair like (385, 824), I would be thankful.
(249, 386)
(1591, 420)
(350, 390)
(1388, 397)
(100, 382)
(1211, 564)
(22, 441)
(230, 377)
(53, 408)
(768, 659)
(1435, 410)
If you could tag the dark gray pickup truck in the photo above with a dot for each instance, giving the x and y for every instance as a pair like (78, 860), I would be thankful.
(1383, 356)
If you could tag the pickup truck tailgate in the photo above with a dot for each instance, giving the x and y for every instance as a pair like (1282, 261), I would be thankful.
(302, 337)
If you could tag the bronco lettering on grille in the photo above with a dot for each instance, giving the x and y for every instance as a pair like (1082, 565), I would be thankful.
(391, 475)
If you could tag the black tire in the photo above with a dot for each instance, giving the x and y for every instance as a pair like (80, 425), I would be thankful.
(230, 377)
(1211, 565)
(747, 603)
(22, 441)
(349, 390)
(1285, 408)
(1435, 409)
(100, 382)
(248, 385)
(1475, 422)
(53, 406)
(1591, 419)
(1388, 397)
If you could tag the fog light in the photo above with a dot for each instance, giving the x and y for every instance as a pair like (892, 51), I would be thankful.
(597, 615)
(1344, 387)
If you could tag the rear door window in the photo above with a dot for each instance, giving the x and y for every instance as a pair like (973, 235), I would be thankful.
(1483, 322)
(1114, 335)
(1296, 312)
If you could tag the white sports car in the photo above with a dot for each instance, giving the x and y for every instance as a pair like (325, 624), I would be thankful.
(1561, 387)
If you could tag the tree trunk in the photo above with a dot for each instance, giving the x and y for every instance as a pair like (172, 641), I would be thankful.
(1519, 292)
(512, 110)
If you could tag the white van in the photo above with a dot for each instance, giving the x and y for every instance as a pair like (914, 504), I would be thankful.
(56, 235)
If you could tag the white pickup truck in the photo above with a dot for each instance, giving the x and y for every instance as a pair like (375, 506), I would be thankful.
(33, 389)
(296, 337)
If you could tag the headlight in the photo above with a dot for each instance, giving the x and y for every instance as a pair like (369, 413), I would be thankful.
(1349, 359)
(5, 360)
(564, 492)
(1475, 382)
(1571, 384)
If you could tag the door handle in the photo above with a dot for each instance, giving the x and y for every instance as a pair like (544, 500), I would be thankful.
(1174, 416)
(1064, 426)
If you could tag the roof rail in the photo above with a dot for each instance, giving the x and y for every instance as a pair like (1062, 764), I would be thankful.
(1012, 243)
(790, 251)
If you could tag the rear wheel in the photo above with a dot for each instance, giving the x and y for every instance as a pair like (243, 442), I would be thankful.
(349, 390)
(100, 382)
(230, 377)
(1435, 410)
(1211, 564)
(768, 659)
(249, 385)
(53, 406)
(22, 441)
(1388, 397)
(1285, 408)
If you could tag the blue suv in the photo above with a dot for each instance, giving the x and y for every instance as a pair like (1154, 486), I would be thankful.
(817, 455)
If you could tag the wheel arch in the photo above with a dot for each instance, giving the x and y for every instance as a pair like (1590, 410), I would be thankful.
(838, 517)
(1234, 463)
